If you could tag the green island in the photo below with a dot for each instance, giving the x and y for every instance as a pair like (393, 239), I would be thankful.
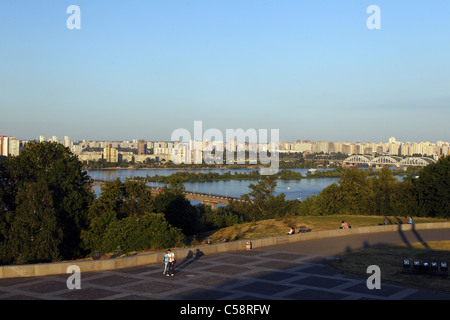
(283, 174)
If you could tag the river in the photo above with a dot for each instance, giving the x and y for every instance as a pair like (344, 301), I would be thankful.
(293, 189)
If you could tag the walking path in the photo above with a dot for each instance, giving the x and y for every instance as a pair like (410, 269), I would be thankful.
(292, 271)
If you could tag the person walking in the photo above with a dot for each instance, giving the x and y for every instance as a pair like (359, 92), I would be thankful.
(172, 261)
(165, 260)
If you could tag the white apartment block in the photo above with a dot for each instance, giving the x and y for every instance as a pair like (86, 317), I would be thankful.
(14, 146)
(4, 146)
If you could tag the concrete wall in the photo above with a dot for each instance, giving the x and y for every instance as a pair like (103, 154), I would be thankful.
(151, 258)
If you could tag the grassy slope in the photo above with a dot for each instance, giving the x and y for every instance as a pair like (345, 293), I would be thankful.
(273, 227)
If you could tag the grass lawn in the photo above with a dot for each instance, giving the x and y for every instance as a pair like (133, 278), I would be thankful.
(390, 261)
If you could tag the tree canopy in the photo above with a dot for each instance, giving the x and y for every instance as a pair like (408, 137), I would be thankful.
(43, 192)
(432, 189)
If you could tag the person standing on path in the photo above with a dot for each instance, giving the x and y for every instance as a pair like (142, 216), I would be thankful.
(165, 260)
(172, 261)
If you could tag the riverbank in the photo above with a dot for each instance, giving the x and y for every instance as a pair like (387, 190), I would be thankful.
(255, 167)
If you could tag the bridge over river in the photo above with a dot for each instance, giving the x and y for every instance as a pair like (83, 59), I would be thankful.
(207, 199)
(382, 161)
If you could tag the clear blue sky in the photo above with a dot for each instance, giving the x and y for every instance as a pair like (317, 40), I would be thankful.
(143, 68)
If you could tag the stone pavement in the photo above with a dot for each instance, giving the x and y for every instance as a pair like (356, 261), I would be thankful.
(262, 274)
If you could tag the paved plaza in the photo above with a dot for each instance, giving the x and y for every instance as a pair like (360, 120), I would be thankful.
(244, 275)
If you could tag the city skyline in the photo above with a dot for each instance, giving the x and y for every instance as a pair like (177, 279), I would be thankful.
(142, 151)
(313, 70)
(67, 139)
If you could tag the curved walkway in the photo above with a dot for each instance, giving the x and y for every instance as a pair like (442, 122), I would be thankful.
(291, 271)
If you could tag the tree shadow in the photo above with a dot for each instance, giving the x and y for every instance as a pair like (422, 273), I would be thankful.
(403, 236)
(419, 237)
(190, 258)
(416, 234)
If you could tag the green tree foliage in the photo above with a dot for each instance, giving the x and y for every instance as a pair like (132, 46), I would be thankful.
(356, 193)
(35, 235)
(310, 207)
(261, 202)
(176, 208)
(432, 189)
(215, 219)
(147, 231)
(126, 216)
(117, 201)
(3, 204)
(58, 176)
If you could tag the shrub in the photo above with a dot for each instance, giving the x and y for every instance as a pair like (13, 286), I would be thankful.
(134, 233)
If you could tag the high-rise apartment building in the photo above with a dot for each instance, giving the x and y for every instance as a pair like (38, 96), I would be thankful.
(67, 142)
(110, 154)
(394, 148)
(4, 146)
(14, 146)
(142, 147)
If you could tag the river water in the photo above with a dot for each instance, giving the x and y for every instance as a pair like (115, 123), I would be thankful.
(293, 189)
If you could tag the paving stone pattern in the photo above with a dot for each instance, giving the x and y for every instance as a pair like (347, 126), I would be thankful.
(241, 275)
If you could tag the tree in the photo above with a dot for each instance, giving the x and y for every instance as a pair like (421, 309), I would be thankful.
(432, 189)
(58, 174)
(118, 200)
(382, 192)
(35, 235)
(5, 203)
(351, 195)
(147, 231)
(354, 192)
(176, 208)
(261, 202)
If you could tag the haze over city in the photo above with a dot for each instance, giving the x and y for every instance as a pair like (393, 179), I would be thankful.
(313, 70)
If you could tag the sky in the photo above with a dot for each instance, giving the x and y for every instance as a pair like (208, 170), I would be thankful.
(140, 69)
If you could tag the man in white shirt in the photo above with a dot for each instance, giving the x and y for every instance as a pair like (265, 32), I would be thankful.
(172, 261)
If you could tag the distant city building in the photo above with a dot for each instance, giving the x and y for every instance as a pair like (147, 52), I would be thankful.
(67, 142)
(4, 146)
(142, 147)
(76, 149)
(14, 146)
(110, 154)
(90, 156)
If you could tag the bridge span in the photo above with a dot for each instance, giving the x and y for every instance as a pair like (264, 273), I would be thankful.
(382, 161)
(206, 199)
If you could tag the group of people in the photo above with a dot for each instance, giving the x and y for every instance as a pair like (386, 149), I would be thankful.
(406, 220)
(169, 263)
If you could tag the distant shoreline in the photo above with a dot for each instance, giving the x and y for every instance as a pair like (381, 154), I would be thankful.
(202, 168)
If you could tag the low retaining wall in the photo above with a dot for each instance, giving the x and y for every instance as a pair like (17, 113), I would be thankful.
(45, 269)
